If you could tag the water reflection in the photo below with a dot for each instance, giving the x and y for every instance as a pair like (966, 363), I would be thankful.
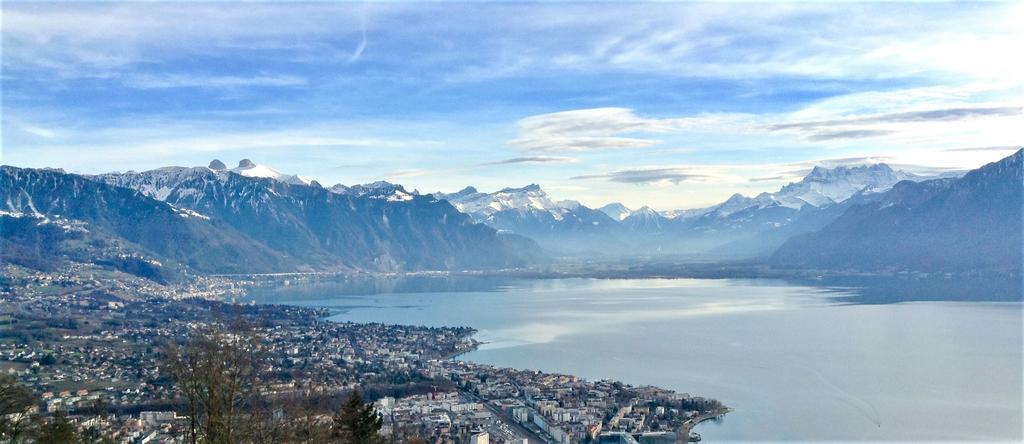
(843, 289)
(830, 360)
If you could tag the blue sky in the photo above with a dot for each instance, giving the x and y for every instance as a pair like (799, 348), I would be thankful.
(667, 105)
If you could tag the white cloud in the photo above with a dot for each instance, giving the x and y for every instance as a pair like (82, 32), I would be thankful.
(155, 144)
(104, 39)
(531, 159)
(729, 41)
(592, 129)
(664, 176)
(34, 130)
(411, 172)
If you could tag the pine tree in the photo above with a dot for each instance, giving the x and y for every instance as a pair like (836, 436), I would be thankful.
(357, 422)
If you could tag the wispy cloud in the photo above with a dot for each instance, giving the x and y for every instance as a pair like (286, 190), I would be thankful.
(32, 129)
(656, 176)
(985, 148)
(316, 84)
(361, 47)
(769, 178)
(592, 130)
(935, 115)
(847, 134)
(160, 142)
(922, 122)
(531, 159)
(204, 81)
(412, 172)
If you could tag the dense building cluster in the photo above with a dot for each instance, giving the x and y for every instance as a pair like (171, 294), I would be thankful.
(97, 355)
(565, 409)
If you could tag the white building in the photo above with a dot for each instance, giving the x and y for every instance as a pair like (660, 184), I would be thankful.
(480, 438)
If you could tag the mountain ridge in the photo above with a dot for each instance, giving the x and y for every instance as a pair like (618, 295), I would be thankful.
(970, 223)
(255, 224)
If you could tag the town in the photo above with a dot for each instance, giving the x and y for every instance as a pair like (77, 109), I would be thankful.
(90, 345)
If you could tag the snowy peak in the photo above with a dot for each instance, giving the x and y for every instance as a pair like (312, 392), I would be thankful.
(376, 190)
(568, 204)
(645, 219)
(615, 211)
(735, 203)
(468, 191)
(821, 187)
(645, 212)
(339, 189)
(160, 183)
(177, 183)
(866, 174)
(531, 188)
(249, 168)
(482, 205)
(826, 186)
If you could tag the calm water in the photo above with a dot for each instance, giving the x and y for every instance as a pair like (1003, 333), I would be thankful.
(795, 362)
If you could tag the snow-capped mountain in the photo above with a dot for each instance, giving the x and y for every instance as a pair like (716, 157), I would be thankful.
(826, 186)
(747, 225)
(488, 207)
(820, 188)
(248, 168)
(377, 190)
(161, 182)
(564, 225)
(616, 211)
(950, 224)
(376, 226)
(483, 205)
(122, 227)
(645, 219)
(756, 225)
(684, 214)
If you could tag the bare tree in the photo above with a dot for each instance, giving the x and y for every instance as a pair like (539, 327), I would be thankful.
(16, 401)
(218, 373)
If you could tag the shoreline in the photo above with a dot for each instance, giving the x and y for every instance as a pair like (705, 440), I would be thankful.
(683, 431)
(690, 424)
(652, 268)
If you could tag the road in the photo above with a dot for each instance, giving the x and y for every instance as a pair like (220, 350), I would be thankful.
(531, 436)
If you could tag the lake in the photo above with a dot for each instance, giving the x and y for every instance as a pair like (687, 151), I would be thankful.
(795, 361)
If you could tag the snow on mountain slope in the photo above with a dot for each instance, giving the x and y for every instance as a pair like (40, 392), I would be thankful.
(971, 223)
(681, 215)
(482, 205)
(161, 182)
(645, 219)
(616, 211)
(826, 186)
(376, 190)
(187, 181)
(247, 168)
(820, 188)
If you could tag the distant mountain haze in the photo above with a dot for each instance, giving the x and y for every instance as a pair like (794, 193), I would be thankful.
(741, 227)
(969, 223)
(254, 218)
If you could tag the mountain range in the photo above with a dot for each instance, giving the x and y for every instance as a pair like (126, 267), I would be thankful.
(255, 219)
(214, 220)
(968, 223)
(565, 226)
(740, 227)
